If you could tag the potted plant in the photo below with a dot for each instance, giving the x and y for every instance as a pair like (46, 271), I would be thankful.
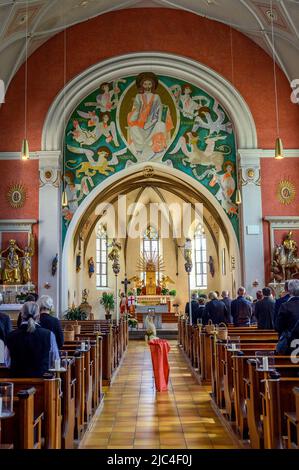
(164, 291)
(107, 300)
(172, 293)
(74, 314)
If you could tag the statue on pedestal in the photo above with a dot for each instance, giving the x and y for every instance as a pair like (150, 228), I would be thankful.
(11, 270)
(285, 264)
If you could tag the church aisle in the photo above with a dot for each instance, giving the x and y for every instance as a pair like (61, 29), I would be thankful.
(134, 416)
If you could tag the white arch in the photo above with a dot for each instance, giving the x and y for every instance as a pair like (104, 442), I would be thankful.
(67, 254)
(131, 64)
(163, 64)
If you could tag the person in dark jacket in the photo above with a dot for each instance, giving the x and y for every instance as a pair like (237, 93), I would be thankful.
(284, 298)
(264, 310)
(5, 325)
(288, 314)
(194, 309)
(241, 309)
(227, 302)
(49, 322)
(215, 310)
(30, 347)
(201, 309)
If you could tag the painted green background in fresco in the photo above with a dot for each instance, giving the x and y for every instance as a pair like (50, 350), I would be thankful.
(201, 142)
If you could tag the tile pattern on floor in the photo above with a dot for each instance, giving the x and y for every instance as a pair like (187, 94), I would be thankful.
(135, 416)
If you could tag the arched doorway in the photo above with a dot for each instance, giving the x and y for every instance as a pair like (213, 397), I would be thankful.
(162, 180)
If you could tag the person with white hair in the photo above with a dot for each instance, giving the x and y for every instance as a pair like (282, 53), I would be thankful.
(288, 315)
(215, 310)
(47, 320)
(30, 347)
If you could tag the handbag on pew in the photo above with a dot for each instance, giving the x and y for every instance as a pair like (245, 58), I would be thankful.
(210, 328)
(69, 333)
(283, 346)
(222, 332)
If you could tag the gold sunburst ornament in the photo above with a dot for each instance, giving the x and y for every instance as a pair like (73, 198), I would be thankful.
(16, 195)
(286, 192)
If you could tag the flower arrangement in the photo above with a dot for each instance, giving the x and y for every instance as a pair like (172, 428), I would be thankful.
(132, 321)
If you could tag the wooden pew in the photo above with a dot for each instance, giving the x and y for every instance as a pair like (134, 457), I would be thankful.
(47, 400)
(24, 419)
(265, 405)
(293, 423)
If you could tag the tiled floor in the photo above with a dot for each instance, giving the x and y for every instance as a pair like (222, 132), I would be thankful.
(134, 416)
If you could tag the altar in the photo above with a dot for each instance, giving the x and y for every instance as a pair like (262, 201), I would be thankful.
(157, 305)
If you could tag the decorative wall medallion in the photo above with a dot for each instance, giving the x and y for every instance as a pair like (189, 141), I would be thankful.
(251, 176)
(286, 192)
(49, 176)
(148, 172)
(16, 195)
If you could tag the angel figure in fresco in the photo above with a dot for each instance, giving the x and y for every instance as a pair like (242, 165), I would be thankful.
(102, 127)
(190, 106)
(214, 126)
(107, 99)
(149, 121)
(80, 135)
(188, 145)
(75, 192)
(227, 187)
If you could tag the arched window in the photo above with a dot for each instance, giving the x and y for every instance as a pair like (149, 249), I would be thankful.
(150, 245)
(102, 257)
(199, 274)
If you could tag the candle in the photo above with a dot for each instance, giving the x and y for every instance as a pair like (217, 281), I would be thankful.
(265, 363)
(57, 364)
(83, 346)
(234, 346)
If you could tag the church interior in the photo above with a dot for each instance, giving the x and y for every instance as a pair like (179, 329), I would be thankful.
(149, 224)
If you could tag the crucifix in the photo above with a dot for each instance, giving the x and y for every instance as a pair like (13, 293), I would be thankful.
(126, 283)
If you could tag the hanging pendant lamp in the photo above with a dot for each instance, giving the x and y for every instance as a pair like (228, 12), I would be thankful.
(25, 155)
(64, 199)
(238, 197)
(278, 142)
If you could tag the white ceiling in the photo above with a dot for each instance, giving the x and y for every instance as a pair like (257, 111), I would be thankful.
(47, 17)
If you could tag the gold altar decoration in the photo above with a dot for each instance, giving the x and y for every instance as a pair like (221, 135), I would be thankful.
(150, 264)
(16, 269)
(286, 192)
(16, 195)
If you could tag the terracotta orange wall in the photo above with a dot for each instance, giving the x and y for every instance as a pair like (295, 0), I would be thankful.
(126, 31)
(272, 172)
(16, 171)
(163, 30)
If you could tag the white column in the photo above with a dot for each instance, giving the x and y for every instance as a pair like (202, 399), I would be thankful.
(252, 243)
(49, 225)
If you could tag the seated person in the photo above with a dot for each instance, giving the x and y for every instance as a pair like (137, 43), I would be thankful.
(30, 346)
(49, 322)
(31, 297)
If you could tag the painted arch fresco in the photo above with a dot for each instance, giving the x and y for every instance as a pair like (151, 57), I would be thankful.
(150, 118)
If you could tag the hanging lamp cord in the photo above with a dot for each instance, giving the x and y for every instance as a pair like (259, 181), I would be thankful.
(274, 68)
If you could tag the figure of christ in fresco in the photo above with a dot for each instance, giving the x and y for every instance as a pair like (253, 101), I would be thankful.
(107, 99)
(149, 122)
